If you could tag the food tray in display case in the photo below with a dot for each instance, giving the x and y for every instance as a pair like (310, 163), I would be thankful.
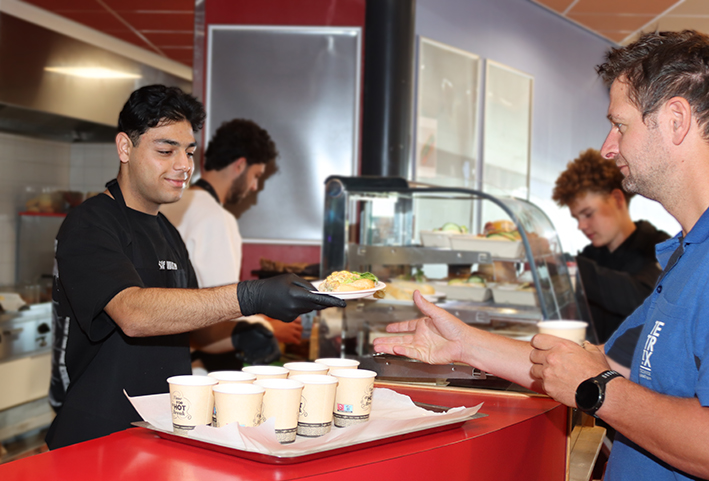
(436, 239)
(512, 294)
(499, 248)
(464, 292)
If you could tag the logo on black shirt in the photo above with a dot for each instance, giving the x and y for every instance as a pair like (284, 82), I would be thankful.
(167, 266)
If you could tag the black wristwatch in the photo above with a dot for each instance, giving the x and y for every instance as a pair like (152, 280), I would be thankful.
(591, 393)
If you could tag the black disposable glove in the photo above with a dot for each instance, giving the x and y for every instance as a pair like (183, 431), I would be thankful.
(283, 297)
(254, 343)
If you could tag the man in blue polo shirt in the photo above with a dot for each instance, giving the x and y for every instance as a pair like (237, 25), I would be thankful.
(659, 113)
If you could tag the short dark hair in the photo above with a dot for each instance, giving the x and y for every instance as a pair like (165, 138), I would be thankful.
(589, 172)
(662, 65)
(152, 105)
(239, 138)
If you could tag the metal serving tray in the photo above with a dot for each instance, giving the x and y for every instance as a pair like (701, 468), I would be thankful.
(316, 453)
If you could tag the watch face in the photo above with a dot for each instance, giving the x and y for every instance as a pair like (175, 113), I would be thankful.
(587, 394)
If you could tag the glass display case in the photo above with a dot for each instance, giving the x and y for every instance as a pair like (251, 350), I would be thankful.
(495, 262)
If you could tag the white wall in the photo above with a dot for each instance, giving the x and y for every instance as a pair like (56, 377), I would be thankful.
(28, 166)
(569, 102)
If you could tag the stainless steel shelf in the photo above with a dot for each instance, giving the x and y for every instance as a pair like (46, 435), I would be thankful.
(359, 255)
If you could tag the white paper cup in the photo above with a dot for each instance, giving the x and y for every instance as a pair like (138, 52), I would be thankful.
(237, 402)
(300, 368)
(267, 372)
(353, 399)
(282, 401)
(572, 330)
(229, 377)
(315, 414)
(192, 402)
(338, 363)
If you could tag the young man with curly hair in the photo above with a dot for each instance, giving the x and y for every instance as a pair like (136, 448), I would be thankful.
(618, 269)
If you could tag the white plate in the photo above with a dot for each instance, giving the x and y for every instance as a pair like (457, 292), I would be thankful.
(352, 294)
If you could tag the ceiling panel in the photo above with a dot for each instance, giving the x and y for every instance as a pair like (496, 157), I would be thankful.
(559, 5)
(164, 27)
(611, 23)
(623, 21)
(160, 20)
(622, 7)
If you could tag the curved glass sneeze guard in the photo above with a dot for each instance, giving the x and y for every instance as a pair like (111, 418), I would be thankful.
(384, 225)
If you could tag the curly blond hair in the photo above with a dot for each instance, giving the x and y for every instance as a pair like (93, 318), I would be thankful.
(589, 172)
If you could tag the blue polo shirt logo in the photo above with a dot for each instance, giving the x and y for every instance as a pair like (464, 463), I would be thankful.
(645, 365)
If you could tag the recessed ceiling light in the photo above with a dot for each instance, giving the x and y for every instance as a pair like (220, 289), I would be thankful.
(92, 72)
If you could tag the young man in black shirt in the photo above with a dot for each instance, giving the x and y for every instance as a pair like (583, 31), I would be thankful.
(125, 296)
(618, 269)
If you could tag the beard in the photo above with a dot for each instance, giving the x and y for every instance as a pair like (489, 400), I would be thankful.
(651, 171)
(239, 189)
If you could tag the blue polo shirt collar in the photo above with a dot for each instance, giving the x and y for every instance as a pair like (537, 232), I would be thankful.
(698, 234)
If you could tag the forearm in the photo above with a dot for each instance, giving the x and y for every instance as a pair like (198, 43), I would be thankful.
(142, 312)
(673, 429)
(504, 357)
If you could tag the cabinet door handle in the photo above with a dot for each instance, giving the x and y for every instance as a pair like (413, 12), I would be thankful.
(13, 332)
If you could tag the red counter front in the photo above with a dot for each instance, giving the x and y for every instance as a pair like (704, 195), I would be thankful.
(520, 438)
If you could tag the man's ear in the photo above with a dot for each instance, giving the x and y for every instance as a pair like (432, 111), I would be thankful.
(124, 145)
(680, 118)
(239, 166)
(619, 198)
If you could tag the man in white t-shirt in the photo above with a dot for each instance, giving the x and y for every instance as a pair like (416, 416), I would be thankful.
(235, 159)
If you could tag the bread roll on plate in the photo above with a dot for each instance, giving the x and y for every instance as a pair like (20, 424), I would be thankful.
(346, 281)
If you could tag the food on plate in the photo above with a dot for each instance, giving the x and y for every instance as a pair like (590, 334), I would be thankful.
(404, 290)
(501, 230)
(346, 281)
(452, 228)
(417, 276)
(513, 286)
(474, 280)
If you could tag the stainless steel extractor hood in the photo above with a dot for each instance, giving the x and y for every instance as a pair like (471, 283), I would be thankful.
(56, 87)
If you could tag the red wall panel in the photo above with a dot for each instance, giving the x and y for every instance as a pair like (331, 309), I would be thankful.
(286, 12)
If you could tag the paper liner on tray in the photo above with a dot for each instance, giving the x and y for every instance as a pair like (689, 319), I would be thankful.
(392, 414)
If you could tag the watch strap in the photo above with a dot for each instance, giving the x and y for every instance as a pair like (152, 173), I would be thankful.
(600, 381)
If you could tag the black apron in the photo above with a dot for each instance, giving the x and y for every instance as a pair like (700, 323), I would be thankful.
(94, 403)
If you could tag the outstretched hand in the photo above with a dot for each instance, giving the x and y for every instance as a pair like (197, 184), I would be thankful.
(437, 338)
(283, 297)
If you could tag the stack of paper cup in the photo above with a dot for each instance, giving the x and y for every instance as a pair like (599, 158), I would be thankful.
(353, 398)
(299, 368)
(237, 402)
(267, 372)
(338, 363)
(282, 400)
(192, 402)
(316, 401)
